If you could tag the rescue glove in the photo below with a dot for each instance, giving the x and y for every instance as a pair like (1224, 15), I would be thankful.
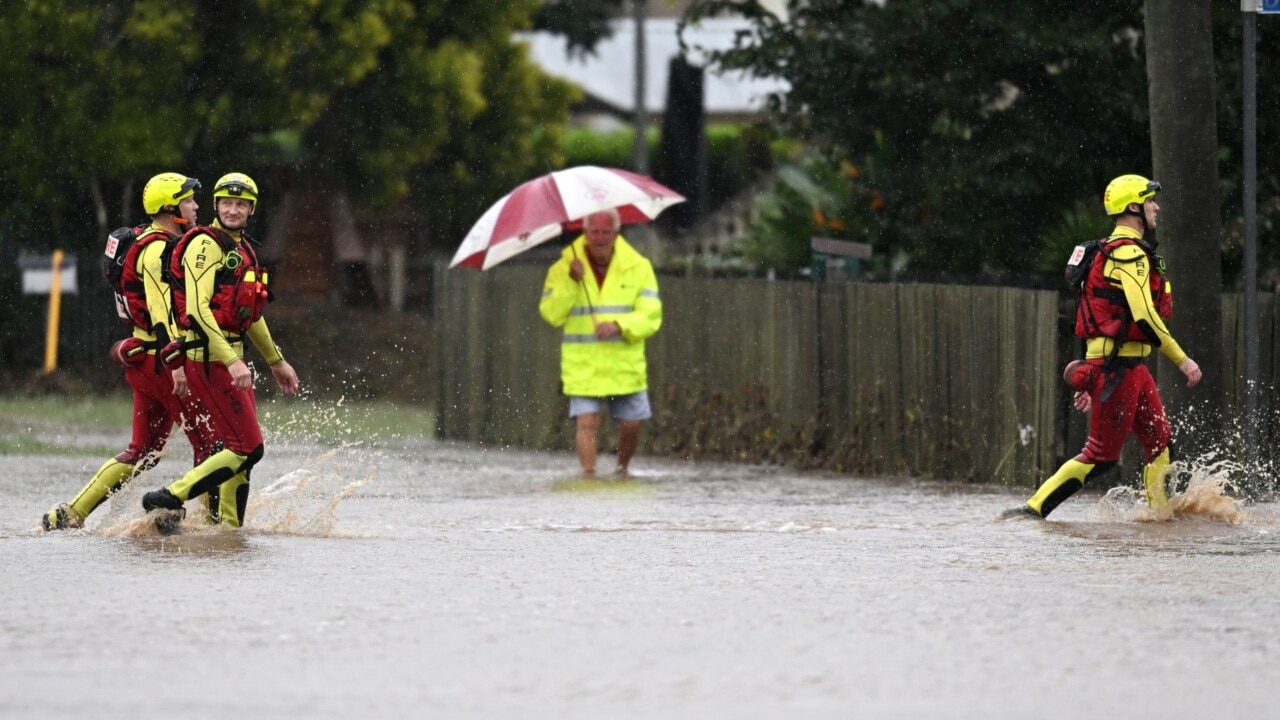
(129, 352)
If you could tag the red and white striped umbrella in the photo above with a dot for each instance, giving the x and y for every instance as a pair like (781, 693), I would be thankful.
(538, 210)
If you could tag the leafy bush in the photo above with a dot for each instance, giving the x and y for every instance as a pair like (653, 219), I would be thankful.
(735, 156)
(812, 197)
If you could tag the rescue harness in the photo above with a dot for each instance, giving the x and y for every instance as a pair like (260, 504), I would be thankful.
(240, 293)
(1101, 308)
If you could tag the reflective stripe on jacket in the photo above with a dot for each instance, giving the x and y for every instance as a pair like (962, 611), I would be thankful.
(629, 297)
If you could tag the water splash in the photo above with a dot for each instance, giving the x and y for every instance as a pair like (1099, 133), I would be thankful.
(1199, 488)
(302, 501)
(299, 503)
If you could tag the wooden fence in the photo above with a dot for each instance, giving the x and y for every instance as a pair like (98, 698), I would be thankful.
(946, 382)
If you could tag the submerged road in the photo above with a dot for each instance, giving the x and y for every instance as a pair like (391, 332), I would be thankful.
(426, 579)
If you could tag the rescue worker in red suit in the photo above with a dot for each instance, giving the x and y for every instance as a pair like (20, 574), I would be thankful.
(1121, 316)
(223, 293)
(143, 304)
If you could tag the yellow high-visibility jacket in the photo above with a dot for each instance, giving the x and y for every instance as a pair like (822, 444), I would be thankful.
(629, 297)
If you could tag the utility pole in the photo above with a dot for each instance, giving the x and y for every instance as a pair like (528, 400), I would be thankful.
(640, 158)
(1249, 10)
(641, 234)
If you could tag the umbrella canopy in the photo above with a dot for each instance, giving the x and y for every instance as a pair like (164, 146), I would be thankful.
(538, 210)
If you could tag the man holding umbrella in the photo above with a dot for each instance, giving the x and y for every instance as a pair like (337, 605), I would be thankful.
(605, 295)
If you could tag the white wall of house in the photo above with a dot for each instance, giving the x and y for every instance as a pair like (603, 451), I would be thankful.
(609, 75)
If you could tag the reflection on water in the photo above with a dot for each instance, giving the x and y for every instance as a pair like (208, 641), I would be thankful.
(422, 579)
(207, 543)
(616, 486)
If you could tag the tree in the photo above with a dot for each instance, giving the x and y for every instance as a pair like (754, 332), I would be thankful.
(1185, 148)
(351, 95)
(990, 128)
(583, 23)
(1227, 44)
(455, 121)
(75, 111)
(974, 143)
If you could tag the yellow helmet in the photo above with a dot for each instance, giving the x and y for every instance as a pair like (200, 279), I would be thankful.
(236, 185)
(167, 189)
(1128, 189)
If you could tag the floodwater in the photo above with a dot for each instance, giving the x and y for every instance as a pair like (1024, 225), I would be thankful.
(423, 579)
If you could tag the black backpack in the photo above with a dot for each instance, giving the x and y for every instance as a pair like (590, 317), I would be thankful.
(1079, 264)
(118, 243)
(1086, 254)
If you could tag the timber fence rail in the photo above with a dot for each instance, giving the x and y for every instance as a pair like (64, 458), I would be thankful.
(938, 381)
(949, 382)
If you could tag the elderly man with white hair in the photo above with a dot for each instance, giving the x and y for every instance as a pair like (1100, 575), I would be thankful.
(604, 294)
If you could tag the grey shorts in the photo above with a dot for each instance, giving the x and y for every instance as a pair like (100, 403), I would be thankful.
(621, 407)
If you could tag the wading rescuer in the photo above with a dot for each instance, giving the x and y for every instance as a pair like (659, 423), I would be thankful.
(1123, 301)
(607, 312)
(133, 265)
(220, 291)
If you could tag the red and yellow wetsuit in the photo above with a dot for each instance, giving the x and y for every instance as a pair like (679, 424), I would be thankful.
(144, 304)
(1123, 393)
(224, 294)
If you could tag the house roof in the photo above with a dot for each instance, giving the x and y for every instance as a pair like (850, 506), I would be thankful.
(609, 75)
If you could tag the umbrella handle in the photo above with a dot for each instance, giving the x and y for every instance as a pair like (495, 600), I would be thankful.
(583, 282)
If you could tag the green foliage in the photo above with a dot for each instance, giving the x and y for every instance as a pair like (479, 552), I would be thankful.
(1077, 224)
(583, 23)
(73, 117)
(812, 197)
(735, 156)
(607, 149)
(1227, 43)
(384, 99)
(975, 119)
(515, 135)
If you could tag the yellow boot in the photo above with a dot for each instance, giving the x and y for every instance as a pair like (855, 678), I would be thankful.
(106, 481)
(1153, 478)
(61, 517)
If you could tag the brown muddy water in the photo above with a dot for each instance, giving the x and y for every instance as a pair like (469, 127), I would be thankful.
(397, 579)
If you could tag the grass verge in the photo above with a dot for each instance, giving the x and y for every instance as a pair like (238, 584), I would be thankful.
(26, 423)
(105, 412)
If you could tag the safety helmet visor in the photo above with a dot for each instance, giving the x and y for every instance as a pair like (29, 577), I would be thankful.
(166, 190)
(189, 188)
(234, 189)
(236, 185)
(1126, 190)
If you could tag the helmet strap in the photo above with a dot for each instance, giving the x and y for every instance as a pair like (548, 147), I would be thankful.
(174, 215)
(1141, 214)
